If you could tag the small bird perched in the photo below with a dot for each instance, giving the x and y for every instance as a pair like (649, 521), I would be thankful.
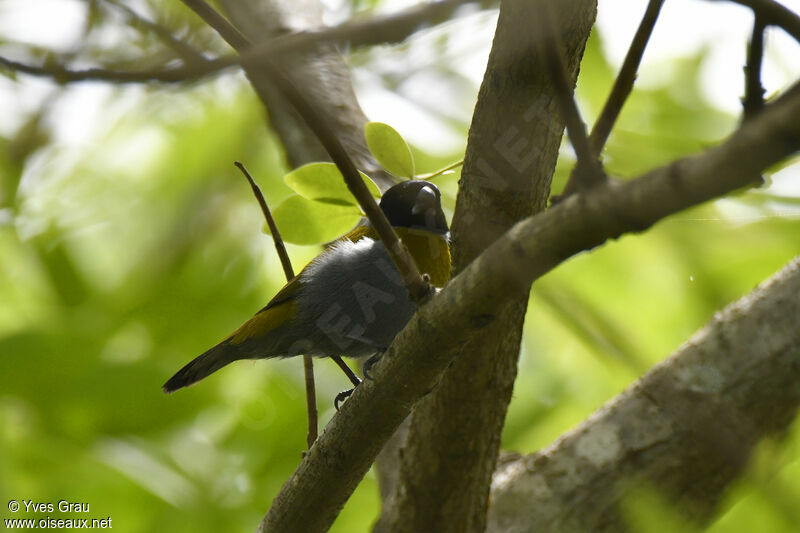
(350, 300)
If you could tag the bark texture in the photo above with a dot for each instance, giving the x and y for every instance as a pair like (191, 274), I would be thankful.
(446, 465)
(686, 429)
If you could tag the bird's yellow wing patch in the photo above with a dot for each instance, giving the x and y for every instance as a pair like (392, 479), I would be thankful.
(282, 308)
(358, 233)
(266, 320)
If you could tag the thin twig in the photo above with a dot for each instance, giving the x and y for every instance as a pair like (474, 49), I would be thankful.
(308, 364)
(186, 51)
(311, 400)
(622, 88)
(60, 73)
(286, 263)
(774, 14)
(623, 85)
(381, 29)
(418, 287)
(588, 169)
(441, 171)
(753, 100)
(289, 272)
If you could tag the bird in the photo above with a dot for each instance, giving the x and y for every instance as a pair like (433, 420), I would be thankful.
(349, 300)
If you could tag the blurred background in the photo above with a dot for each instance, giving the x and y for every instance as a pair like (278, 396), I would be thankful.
(129, 244)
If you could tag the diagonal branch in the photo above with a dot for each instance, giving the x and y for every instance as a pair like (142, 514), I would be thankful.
(313, 496)
(213, 18)
(280, 247)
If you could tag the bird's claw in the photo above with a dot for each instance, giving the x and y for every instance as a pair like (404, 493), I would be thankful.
(370, 363)
(342, 396)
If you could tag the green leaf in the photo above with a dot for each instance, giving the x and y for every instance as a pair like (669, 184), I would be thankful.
(324, 183)
(304, 221)
(390, 149)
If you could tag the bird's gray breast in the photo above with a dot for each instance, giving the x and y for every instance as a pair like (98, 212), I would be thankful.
(354, 298)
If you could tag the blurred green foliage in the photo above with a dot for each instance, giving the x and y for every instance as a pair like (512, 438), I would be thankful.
(123, 260)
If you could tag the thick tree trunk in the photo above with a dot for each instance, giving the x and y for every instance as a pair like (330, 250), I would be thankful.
(451, 450)
(686, 429)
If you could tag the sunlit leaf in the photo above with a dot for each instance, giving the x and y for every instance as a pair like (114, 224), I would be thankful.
(324, 183)
(304, 221)
(390, 149)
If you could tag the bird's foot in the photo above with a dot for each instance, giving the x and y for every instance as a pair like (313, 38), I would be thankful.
(342, 396)
(370, 363)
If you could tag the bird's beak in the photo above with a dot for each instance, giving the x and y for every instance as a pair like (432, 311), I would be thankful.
(427, 204)
(425, 201)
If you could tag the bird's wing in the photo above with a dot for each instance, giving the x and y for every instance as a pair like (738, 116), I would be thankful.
(282, 307)
(266, 320)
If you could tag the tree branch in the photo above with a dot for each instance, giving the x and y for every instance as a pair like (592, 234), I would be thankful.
(280, 247)
(753, 99)
(773, 14)
(687, 428)
(226, 30)
(187, 52)
(588, 170)
(312, 497)
(377, 30)
(623, 85)
(60, 73)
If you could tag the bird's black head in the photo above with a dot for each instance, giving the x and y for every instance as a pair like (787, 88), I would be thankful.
(415, 204)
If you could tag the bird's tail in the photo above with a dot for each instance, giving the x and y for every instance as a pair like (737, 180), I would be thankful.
(202, 366)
